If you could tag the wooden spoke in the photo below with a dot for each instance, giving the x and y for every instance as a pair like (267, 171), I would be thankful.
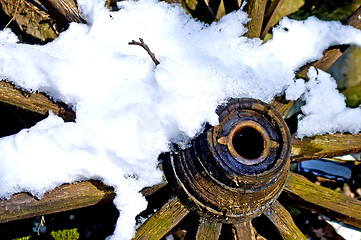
(63, 198)
(150, 190)
(282, 105)
(283, 221)
(270, 15)
(331, 55)
(322, 146)
(230, 5)
(208, 230)
(162, 221)
(324, 200)
(244, 231)
(255, 10)
(64, 11)
(35, 102)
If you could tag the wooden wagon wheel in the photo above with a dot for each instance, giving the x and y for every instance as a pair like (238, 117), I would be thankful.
(234, 172)
(218, 178)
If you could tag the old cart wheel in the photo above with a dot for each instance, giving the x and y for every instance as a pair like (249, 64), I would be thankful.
(234, 172)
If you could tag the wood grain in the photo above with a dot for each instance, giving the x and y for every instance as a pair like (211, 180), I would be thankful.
(244, 231)
(162, 221)
(63, 198)
(256, 11)
(283, 221)
(335, 205)
(63, 11)
(35, 102)
(270, 16)
(323, 146)
(208, 230)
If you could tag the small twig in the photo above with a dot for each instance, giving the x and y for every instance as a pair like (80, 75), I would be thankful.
(143, 45)
(13, 18)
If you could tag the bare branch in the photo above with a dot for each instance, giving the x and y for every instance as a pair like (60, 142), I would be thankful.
(143, 45)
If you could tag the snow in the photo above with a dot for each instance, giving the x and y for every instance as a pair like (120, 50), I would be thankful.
(325, 109)
(129, 110)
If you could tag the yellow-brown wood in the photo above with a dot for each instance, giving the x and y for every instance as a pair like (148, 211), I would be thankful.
(208, 230)
(256, 11)
(244, 231)
(35, 102)
(29, 18)
(64, 11)
(282, 105)
(150, 190)
(328, 202)
(322, 146)
(331, 55)
(63, 198)
(283, 221)
(162, 221)
(270, 16)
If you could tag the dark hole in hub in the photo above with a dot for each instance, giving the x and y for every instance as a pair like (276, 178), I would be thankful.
(248, 143)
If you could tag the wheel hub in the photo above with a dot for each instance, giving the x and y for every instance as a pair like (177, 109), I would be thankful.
(233, 171)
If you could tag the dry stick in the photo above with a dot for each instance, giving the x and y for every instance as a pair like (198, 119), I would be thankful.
(13, 18)
(143, 45)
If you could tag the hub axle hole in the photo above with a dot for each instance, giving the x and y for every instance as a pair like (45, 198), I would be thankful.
(248, 143)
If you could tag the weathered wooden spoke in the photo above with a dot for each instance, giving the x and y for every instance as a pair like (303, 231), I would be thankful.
(330, 203)
(329, 57)
(161, 222)
(64, 11)
(270, 16)
(325, 146)
(283, 221)
(244, 231)
(35, 102)
(208, 230)
(63, 198)
(150, 190)
(256, 10)
(282, 105)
